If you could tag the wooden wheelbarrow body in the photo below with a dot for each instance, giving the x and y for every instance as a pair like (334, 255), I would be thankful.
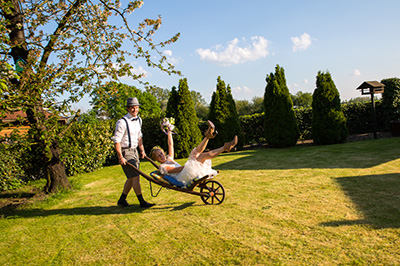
(210, 191)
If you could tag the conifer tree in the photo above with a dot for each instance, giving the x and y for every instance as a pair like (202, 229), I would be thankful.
(328, 121)
(280, 121)
(224, 116)
(181, 107)
(172, 104)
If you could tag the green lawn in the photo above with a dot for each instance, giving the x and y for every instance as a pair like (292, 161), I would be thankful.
(305, 205)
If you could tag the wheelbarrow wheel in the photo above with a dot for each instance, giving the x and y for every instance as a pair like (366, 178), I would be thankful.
(215, 192)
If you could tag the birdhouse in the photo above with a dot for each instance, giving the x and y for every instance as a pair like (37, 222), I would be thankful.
(371, 87)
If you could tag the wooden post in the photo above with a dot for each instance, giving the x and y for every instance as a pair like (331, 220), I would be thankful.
(373, 113)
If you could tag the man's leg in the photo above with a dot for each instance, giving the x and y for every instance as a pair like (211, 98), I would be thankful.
(127, 188)
(138, 191)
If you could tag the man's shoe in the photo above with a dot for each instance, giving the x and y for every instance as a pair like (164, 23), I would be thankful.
(123, 203)
(145, 204)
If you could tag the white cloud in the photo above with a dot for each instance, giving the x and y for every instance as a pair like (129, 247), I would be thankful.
(139, 70)
(168, 52)
(356, 73)
(234, 53)
(170, 58)
(302, 42)
(243, 89)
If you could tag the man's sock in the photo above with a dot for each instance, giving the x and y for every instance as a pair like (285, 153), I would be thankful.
(123, 196)
(144, 203)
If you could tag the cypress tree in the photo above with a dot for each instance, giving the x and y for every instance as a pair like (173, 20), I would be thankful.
(328, 121)
(172, 104)
(280, 121)
(181, 107)
(223, 114)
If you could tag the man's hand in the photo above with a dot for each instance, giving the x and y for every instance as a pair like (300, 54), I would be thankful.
(122, 161)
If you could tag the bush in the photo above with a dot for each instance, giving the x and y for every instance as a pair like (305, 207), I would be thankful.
(280, 122)
(391, 100)
(328, 121)
(304, 118)
(252, 127)
(87, 146)
(12, 167)
(223, 114)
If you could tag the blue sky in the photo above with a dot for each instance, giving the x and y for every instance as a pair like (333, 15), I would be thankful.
(243, 41)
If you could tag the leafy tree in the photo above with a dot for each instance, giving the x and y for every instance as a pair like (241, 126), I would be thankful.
(280, 121)
(63, 50)
(224, 115)
(200, 105)
(302, 99)
(245, 107)
(328, 120)
(188, 132)
(113, 106)
(391, 99)
(161, 95)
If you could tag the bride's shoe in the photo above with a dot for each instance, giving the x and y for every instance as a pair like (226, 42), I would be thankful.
(210, 132)
(229, 145)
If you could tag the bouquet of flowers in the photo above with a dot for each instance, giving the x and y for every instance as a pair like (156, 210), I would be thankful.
(168, 123)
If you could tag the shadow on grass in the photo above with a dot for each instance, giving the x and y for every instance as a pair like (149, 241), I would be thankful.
(362, 154)
(95, 210)
(376, 196)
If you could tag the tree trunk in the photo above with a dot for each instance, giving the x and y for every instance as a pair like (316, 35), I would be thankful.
(54, 168)
(56, 175)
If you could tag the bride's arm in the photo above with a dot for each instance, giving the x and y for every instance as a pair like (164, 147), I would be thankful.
(170, 144)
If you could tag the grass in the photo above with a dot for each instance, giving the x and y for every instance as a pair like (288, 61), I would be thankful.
(305, 205)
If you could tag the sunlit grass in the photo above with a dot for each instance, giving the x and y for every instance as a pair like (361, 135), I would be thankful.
(306, 205)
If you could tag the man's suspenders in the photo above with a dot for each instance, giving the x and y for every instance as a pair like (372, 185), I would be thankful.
(127, 128)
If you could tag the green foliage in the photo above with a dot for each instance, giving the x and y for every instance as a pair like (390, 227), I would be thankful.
(280, 122)
(12, 165)
(253, 128)
(302, 99)
(391, 100)
(87, 146)
(359, 116)
(245, 107)
(304, 118)
(200, 105)
(224, 116)
(181, 107)
(329, 122)
(152, 134)
(172, 105)
(110, 101)
(84, 38)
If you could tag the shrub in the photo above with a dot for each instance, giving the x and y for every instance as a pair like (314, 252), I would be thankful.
(328, 121)
(280, 122)
(181, 107)
(223, 114)
(252, 127)
(87, 146)
(12, 166)
(391, 100)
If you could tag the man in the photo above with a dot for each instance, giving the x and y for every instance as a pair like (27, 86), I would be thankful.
(127, 139)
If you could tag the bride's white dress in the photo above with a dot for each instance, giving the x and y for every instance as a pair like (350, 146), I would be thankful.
(191, 170)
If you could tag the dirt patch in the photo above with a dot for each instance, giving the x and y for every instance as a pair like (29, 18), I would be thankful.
(11, 200)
